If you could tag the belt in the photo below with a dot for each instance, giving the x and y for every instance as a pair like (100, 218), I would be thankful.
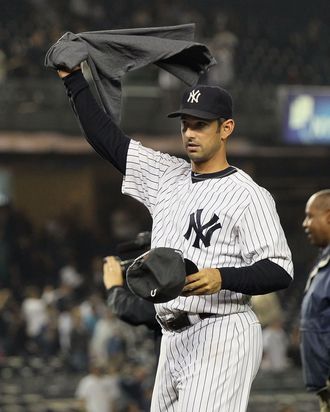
(183, 320)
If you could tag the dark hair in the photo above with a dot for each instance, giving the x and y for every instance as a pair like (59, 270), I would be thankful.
(220, 121)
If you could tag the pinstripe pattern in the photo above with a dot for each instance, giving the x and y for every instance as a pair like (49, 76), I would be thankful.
(210, 365)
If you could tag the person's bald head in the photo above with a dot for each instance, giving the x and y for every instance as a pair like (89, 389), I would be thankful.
(321, 199)
(317, 220)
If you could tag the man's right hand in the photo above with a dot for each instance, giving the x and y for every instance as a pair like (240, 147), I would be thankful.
(112, 272)
(64, 73)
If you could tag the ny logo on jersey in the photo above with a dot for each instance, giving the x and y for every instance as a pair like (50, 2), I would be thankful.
(194, 96)
(210, 227)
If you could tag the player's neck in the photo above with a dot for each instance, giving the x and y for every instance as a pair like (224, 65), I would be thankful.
(210, 166)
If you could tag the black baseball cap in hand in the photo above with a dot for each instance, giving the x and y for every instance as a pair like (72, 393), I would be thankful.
(159, 275)
(205, 102)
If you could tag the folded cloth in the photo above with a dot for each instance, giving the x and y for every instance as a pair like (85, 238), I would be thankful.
(112, 53)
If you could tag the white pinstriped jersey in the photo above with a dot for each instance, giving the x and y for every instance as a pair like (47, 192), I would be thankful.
(227, 221)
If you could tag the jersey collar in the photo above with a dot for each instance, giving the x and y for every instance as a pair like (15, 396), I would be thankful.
(199, 177)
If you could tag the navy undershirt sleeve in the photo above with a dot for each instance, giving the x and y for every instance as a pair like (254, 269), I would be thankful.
(260, 278)
(101, 132)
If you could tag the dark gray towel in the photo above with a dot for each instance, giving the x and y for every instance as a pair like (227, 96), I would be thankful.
(112, 53)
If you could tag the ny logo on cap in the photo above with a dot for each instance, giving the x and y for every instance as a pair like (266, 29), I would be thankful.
(194, 96)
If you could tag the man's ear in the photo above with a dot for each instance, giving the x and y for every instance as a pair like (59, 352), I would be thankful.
(227, 128)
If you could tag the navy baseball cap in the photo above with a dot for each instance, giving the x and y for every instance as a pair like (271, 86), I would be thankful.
(159, 274)
(205, 102)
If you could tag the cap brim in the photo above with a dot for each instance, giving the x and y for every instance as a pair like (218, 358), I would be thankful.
(195, 113)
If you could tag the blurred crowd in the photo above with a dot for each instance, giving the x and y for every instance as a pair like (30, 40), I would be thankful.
(263, 43)
(53, 305)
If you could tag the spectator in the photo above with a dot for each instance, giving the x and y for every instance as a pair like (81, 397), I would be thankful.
(64, 328)
(107, 337)
(275, 346)
(92, 310)
(97, 392)
(12, 326)
(49, 337)
(35, 315)
(69, 274)
(79, 342)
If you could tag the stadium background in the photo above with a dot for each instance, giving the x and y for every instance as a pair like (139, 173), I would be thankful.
(60, 205)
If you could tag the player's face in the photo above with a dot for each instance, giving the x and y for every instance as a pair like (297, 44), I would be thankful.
(316, 223)
(202, 139)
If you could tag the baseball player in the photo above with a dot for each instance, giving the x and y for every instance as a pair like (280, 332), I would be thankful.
(222, 221)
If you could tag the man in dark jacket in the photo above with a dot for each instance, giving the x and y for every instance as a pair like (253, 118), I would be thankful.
(315, 311)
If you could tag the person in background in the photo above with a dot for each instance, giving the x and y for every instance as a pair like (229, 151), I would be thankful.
(34, 312)
(98, 392)
(124, 304)
(275, 346)
(315, 310)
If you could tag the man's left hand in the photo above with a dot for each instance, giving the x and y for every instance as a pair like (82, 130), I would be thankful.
(204, 282)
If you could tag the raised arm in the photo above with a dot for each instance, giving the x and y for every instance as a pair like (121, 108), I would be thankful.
(106, 138)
